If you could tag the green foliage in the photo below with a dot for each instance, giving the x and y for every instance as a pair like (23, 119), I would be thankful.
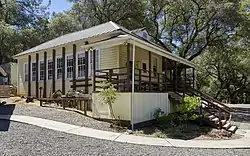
(184, 113)
(109, 95)
(189, 104)
(224, 71)
(158, 113)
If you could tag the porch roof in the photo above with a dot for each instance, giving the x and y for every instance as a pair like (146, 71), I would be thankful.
(123, 39)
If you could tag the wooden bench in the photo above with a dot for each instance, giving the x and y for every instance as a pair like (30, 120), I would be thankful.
(66, 101)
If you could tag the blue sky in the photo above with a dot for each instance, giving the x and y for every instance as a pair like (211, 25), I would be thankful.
(58, 5)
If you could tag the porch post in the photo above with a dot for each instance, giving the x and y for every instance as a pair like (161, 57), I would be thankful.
(29, 74)
(86, 71)
(128, 68)
(94, 69)
(54, 71)
(193, 77)
(45, 76)
(185, 83)
(166, 81)
(37, 70)
(63, 70)
(133, 88)
(175, 76)
(74, 67)
(150, 67)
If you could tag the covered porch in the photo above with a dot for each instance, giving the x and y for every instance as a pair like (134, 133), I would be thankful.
(139, 70)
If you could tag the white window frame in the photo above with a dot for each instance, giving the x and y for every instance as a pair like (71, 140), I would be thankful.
(24, 72)
(90, 66)
(47, 67)
(66, 67)
(97, 63)
(32, 71)
(40, 70)
(56, 70)
(77, 64)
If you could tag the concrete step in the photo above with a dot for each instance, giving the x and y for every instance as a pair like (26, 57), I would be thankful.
(226, 126)
(233, 129)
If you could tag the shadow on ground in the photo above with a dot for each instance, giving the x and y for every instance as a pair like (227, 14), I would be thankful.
(7, 110)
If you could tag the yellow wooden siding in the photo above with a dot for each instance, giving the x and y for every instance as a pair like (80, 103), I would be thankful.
(109, 58)
(141, 56)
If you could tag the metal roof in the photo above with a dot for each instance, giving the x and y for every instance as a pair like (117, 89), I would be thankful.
(105, 28)
(76, 36)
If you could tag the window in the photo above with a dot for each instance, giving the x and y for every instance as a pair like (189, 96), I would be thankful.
(26, 72)
(97, 63)
(155, 66)
(33, 71)
(81, 65)
(59, 66)
(41, 70)
(144, 67)
(50, 69)
(70, 65)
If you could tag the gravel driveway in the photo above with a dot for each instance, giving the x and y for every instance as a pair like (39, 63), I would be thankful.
(56, 115)
(28, 140)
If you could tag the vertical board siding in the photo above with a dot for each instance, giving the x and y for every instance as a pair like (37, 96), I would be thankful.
(145, 105)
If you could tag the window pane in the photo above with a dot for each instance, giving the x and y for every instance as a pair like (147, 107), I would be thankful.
(41, 70)
(33, 71)
(59, 68)
(50, 69)
(69, 66)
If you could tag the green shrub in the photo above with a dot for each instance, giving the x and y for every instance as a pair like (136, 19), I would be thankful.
(189, 104)
(184, 113)
(109, 95)
(158, 113)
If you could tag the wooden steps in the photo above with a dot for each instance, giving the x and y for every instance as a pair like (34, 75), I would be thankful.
(214, 120)
(213, 111)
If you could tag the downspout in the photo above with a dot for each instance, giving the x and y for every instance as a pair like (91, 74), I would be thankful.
(133, 87)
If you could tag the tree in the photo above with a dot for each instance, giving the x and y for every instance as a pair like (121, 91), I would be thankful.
(188, 27)
(128, 13)
(224, 72)
(22, 26)
(63, 23)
